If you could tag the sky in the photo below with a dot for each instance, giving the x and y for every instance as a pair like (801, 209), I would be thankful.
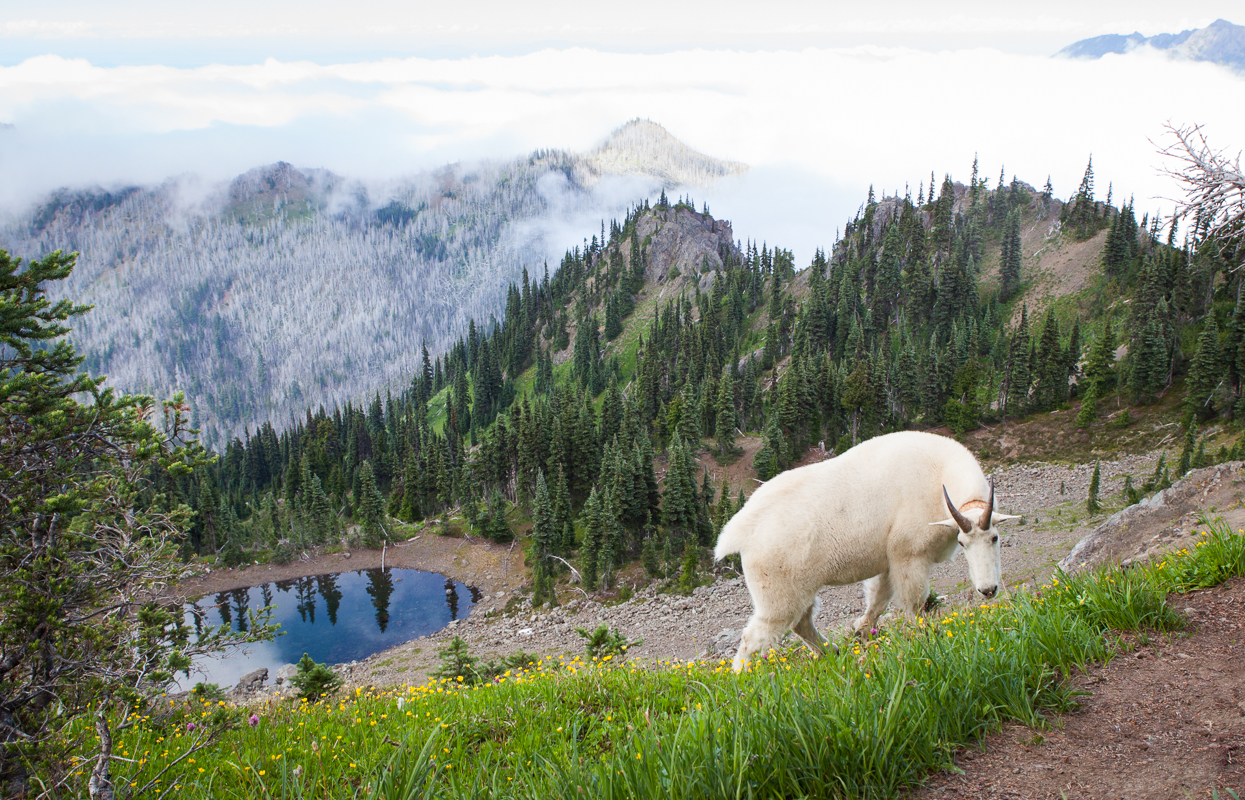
(822, 100)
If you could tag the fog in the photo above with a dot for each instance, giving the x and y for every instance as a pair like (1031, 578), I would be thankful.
(818, 126)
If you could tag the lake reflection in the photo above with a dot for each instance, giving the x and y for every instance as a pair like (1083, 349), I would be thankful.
(335, 618)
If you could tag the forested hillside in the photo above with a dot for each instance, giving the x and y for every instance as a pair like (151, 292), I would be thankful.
(291, 288)
(584, 409)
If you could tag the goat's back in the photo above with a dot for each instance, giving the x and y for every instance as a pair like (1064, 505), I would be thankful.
(851, 503)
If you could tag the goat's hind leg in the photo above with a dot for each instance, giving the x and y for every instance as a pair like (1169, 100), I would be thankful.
(761, 631)
(805, 629)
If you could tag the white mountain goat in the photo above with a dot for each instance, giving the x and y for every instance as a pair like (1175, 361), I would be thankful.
(868, 515)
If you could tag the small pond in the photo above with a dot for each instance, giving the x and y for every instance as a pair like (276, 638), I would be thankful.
(334, 618)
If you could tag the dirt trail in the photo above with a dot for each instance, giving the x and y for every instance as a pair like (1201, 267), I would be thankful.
(1166, 720)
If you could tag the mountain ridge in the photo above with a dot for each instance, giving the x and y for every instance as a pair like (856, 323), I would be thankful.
(288, 287)
(1221, 42)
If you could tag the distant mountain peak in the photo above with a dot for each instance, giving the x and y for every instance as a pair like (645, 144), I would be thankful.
(1220, 42)
(642, 147)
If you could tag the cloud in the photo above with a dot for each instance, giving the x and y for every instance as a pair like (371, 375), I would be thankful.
(832, 121)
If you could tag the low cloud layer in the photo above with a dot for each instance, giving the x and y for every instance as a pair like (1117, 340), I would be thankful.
(817, 125)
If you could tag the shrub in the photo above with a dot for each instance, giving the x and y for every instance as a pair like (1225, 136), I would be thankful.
(457, 663)
(493, 668)
(208, 692)
(283, 553)
(605, 643)
(314, 681)
(232, 555)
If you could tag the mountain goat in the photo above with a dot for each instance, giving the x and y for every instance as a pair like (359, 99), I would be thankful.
(868, 515)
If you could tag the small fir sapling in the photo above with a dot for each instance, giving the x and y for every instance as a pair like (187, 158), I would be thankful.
(314, 681)
(1091, 503)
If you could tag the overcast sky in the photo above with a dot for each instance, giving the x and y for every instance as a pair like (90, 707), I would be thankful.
(822, 99)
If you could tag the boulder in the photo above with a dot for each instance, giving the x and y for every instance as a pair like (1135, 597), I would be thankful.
(284, 674)
(252, 681)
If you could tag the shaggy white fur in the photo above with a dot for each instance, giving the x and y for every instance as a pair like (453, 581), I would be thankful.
(876, 514)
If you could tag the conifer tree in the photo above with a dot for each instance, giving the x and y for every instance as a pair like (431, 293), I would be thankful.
(725, 414)
(1009, 267)
(678, 501)
(1190, 442)
(1089, 407)
(1099, 366)
(688, 579)
(594, 533)
(1084, 211)
(498, 526)
(1091, 503)
(650, 556)
(544, 529)
(371, 508)
(1205, 372)
(1148, 374)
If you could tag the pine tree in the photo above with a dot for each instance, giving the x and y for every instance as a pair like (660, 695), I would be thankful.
(678, 502)
(1190, 442)
(1089, 407)
(1091, 503)
(544, 529)
(371, 508)
(1009, 267)
(594, 533)
(650, 556)
(688, 579)
(1205, 372)
(498, 527)
(725, 414)
(1084, 210)
(1099, 366)
(1148, 375)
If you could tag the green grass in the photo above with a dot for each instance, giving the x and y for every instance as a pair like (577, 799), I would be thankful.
(864, 723)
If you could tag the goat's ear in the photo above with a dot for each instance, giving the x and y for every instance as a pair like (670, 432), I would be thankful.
(998, 517)
(949, 522)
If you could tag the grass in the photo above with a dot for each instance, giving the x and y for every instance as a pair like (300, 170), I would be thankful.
(867, 722)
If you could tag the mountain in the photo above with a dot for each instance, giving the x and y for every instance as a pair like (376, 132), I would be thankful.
(288, 288)
(1221, 42)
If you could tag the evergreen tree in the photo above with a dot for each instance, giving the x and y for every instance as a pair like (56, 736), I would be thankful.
(498, 526)
(544, 528)
(725, 414)
(371, 509)
(1148, 358)
(1089, 407)
(1099, 367)
(678, 502)
(1206, 372)
(589, 551)
(650, 557)
(1091, 503)
(1009, 265)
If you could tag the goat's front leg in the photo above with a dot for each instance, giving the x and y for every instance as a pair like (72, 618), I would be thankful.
(878, 592)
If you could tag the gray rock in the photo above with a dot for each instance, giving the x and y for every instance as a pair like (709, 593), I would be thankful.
(252, 681)
(283, 674)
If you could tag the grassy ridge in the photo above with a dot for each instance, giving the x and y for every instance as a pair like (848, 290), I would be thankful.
(864, 723)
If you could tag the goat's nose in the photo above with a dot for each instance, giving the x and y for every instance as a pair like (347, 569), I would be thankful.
(988, 593)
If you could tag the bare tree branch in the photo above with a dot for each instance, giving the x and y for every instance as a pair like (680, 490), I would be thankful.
(1214, 190)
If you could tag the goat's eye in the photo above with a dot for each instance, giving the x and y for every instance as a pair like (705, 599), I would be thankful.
(963, 543)
(994, 539)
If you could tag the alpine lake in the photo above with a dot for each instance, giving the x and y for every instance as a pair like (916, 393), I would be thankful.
(335, 618)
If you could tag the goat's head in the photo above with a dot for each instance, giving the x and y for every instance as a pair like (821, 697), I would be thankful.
(979, 538)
